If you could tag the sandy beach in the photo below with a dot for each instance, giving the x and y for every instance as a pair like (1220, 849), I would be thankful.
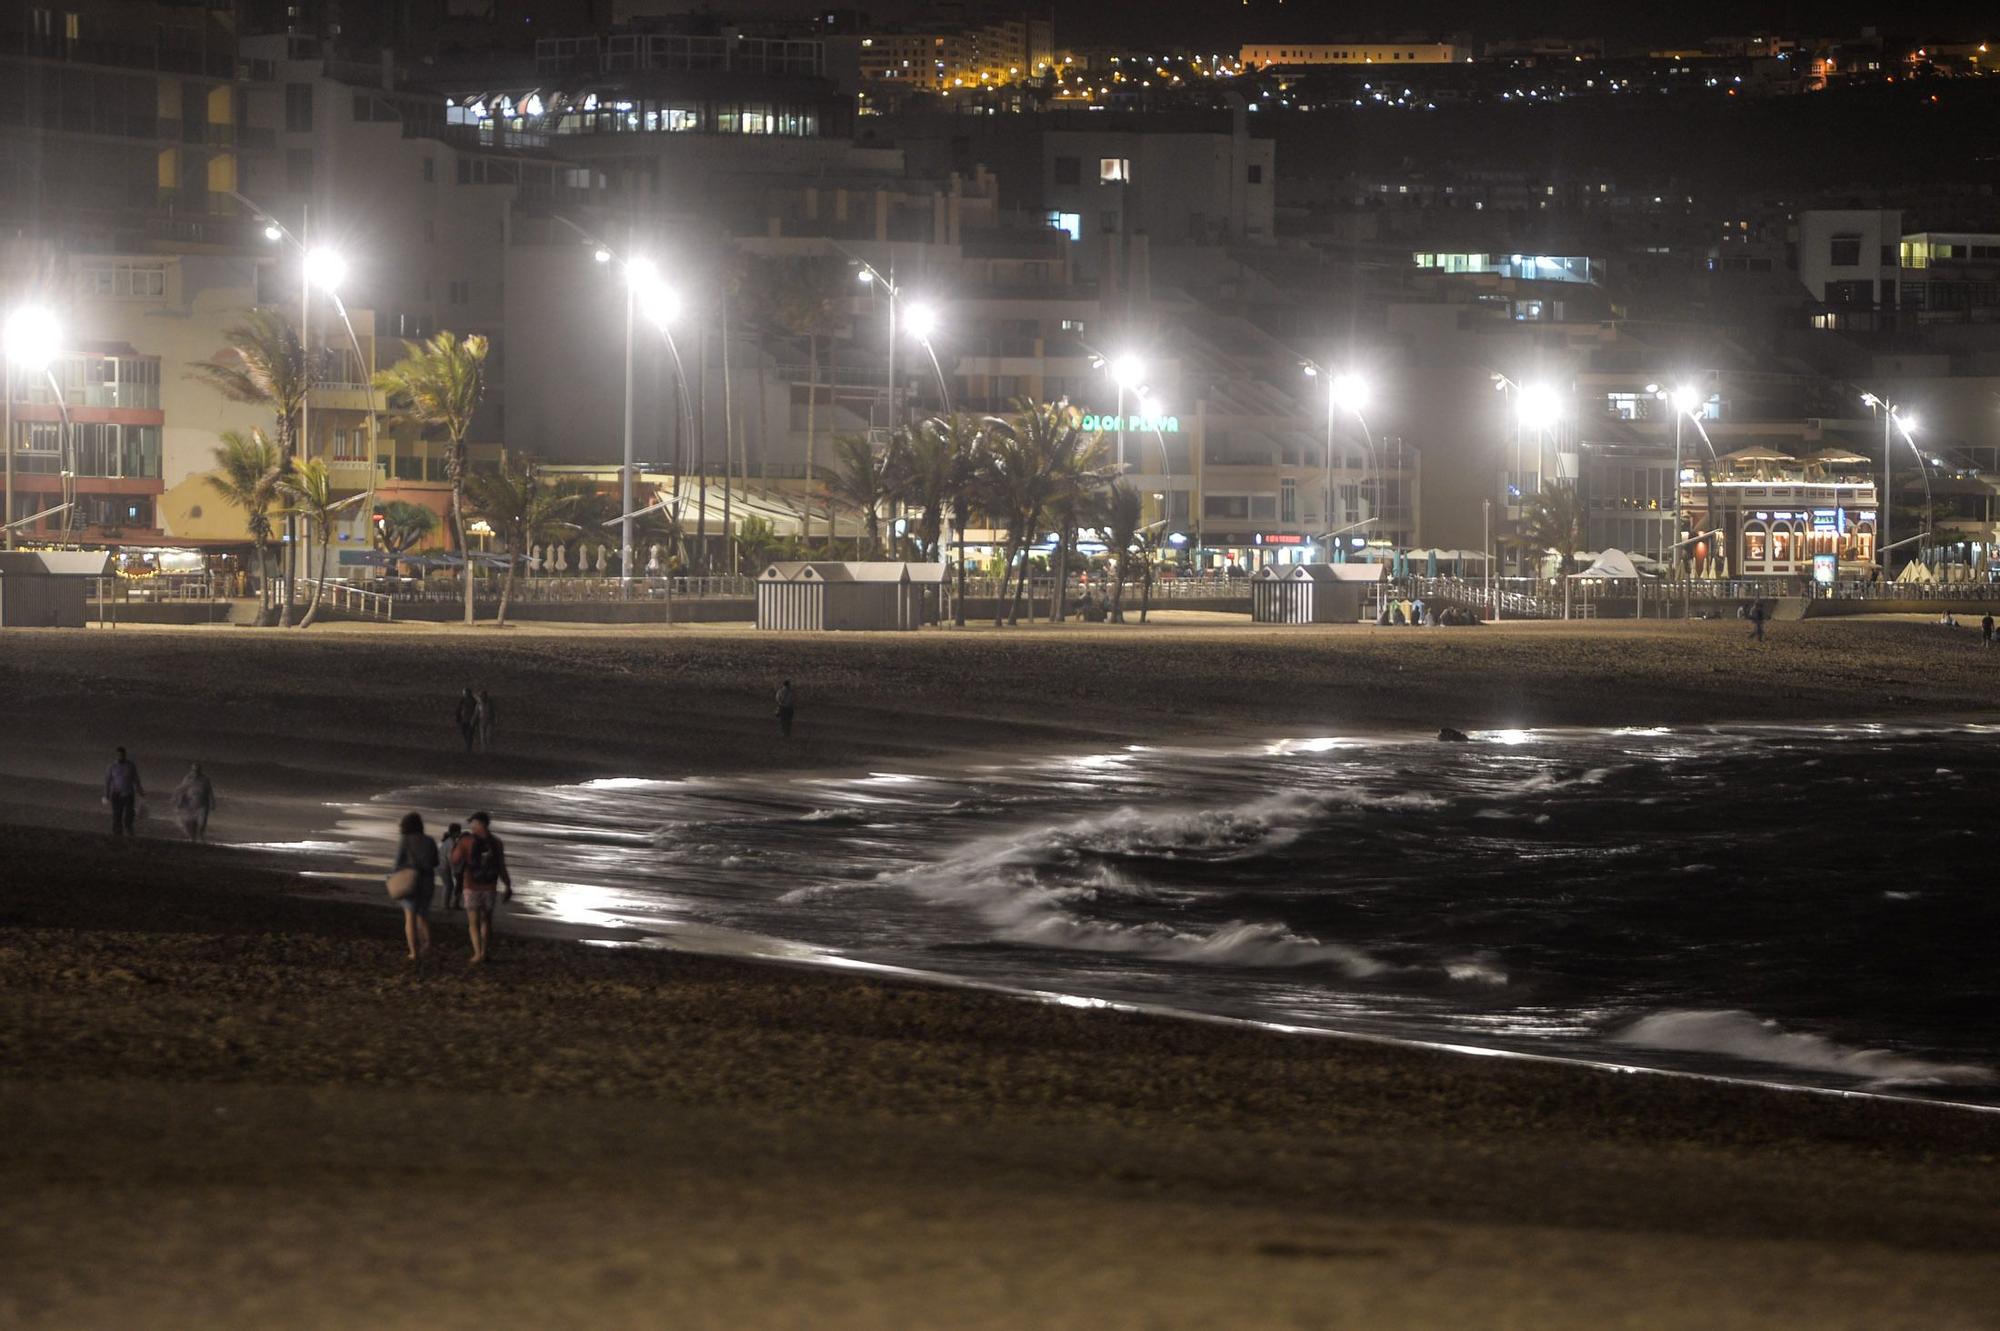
(232, 1103)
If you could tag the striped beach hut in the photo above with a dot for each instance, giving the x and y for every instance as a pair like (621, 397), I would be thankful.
(827, 596)
(1309, 593)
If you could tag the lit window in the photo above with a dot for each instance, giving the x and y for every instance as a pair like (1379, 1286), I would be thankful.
(1071, 223)
(1114, 170)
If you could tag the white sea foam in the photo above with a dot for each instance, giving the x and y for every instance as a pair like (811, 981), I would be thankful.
(1740, 1034)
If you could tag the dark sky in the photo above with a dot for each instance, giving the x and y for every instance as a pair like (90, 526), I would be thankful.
(1227, 23)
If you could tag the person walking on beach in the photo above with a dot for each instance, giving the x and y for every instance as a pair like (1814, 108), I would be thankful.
(481, 862)
(1986, 629)
(454, 892)
(787, 704)
(122, 791)
(194, 800)
(482, 716)
(417, 852)
(1757, 620)
(467, 717)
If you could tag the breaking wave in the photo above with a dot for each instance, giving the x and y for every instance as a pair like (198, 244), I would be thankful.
(1745, 1035)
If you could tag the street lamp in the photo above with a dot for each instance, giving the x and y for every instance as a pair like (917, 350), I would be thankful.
(28, 340)
(1684, 398)
(1886, 500)
(1350, 393)
(325, 268)
(922, 320)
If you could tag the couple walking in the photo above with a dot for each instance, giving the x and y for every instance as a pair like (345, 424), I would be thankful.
(475, 869)
(194, 798)
(475, 718)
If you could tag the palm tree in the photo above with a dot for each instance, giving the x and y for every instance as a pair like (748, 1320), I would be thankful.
(265, 363)
(308, 492)
(939, 468)
(807, 302)
(1556, 522)
(1029, 458)
(246, 474)
(438, 386)
(864, 480)
(522, 509)
(402, 526)
(1119, 513)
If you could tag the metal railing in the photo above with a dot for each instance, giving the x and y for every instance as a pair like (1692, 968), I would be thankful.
(159, 588)
(560, 589)
(350, 599)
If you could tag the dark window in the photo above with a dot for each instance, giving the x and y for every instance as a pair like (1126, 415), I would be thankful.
(1845, 252)
(1257, 175)
(1069, 170)
(1888, 258)
(299, 108)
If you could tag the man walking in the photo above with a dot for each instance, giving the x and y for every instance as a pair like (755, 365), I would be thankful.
(481, 862)
(1757, 620)
(122, 789)
(467, 717)
(482, 715)
(1986, 629)
(785, 709)
(454, 884)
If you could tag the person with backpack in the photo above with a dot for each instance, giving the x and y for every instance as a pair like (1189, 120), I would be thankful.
(480, 861)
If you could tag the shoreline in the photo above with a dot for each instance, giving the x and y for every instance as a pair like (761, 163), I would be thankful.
(236, 1103)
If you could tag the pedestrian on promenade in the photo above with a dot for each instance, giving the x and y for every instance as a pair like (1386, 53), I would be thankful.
(481, 862)
(467, 717)
(786, 705)
(454, 894)
(483, 719)
(1757, 620)
(122, 791)
(1986, 629)
(194, 800)
(419, 854)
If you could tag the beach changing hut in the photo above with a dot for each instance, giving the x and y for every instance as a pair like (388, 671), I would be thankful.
(48, 588)
(1310, 593)
(825, 596)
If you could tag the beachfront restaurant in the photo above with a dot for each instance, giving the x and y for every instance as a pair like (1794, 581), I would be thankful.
(1773, 512)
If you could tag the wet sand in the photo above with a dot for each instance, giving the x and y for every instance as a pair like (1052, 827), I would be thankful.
(231, 1103)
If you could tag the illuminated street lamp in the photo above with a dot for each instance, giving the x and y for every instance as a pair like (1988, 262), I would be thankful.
(922, 320)
(28, 340)
(1349, 393)
(325, 268)
(1886, 500)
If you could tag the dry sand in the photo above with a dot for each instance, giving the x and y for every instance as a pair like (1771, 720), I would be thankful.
(229, 1104)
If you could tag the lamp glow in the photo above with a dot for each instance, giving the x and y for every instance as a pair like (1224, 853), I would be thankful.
(325, 268)
(30, 337)
(864, 276)
(602, 255)
(272, 231)
(1128, 371)
(659, 303)
(1538, 406)
(642, 273)
(921, 320)
(1686, 398)
(1349, 392)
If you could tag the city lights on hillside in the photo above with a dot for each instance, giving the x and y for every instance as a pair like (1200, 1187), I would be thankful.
(30, 337)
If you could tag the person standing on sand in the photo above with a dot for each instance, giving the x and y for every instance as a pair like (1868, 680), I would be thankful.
(1757, 621)
(786, 706)
(481, 862)
(194, 800)
(454, 892)
(122, 791)
(1986, 629)
(482, 715)
(467, 717)
(416, 851)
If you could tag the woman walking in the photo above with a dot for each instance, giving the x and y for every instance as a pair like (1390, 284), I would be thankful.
(418, 853)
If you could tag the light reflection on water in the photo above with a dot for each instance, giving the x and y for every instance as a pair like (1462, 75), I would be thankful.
(1726, 895)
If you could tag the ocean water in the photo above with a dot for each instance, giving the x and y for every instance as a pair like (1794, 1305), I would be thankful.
(1813, 906)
